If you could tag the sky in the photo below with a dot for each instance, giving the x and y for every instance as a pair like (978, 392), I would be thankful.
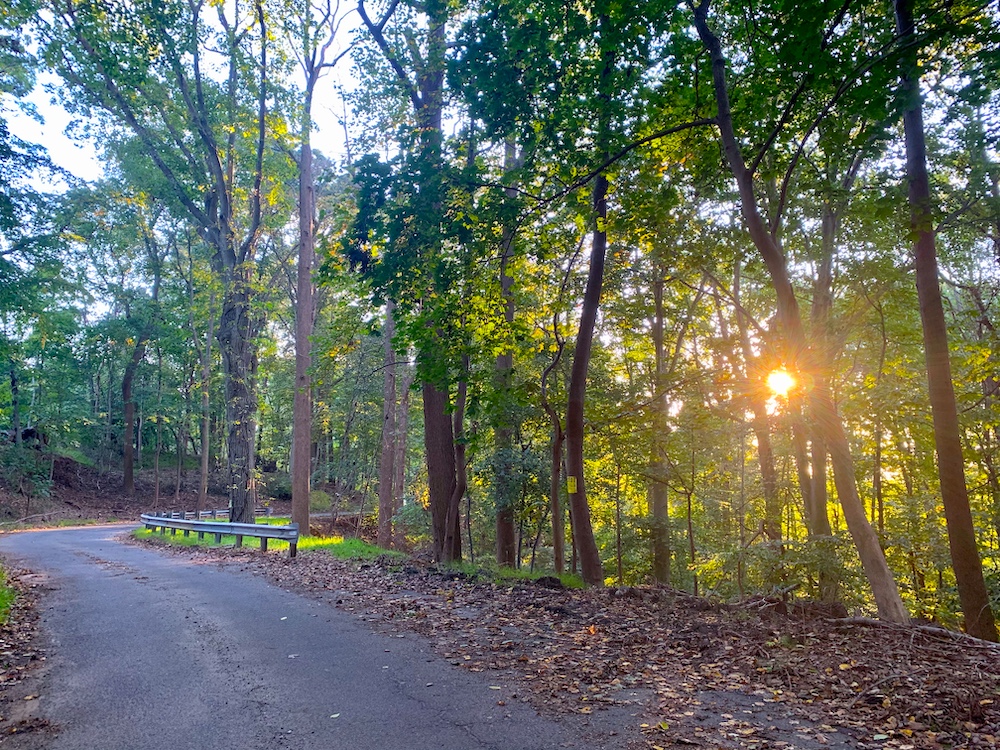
(79, 158)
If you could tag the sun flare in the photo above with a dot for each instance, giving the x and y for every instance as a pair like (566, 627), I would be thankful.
(780, 382)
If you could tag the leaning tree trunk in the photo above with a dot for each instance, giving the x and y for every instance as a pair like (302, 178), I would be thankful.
(947, 433)
(880, 579)
(583, 531)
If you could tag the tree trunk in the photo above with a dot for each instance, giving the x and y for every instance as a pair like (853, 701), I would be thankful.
(399, 461)
(583, 532)
(301, 458)
(238, 329)
(453, 530)
(206, 411)
(386, 473)
(503, 483)
(657, 491)
(965, 558)
(883, 585)
(15, 404)
(128, 440)
(439, 446)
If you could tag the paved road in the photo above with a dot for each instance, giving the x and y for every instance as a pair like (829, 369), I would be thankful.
(151, 651)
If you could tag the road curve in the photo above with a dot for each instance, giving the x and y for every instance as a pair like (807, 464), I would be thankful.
(154, 651)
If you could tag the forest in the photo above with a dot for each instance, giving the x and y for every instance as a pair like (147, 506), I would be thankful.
(696, 293)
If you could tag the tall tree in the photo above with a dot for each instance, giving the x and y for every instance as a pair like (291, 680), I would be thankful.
(880, 578)
(147, 70)
(312, 32)
(419, 69)
(947, 437)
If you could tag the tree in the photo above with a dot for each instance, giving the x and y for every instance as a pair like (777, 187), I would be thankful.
(880, 578)
(311, 34)
(419, 72)
(947, 438)
(202, 141)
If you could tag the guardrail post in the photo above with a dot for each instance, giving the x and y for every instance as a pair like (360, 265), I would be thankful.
(263, 544)
(239, 540)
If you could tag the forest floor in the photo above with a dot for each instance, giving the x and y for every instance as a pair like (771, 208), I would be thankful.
(81, 492)
(671, 669)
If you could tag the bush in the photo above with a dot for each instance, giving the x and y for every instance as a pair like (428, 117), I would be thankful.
(319, 502)
(25, 471)
(278, 486)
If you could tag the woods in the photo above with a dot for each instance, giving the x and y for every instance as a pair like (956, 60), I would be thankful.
(524, 302)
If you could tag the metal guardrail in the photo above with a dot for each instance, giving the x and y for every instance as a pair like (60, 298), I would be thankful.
(289, 533)
(213, 514)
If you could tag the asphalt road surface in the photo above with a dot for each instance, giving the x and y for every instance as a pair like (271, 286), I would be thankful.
(154, 651)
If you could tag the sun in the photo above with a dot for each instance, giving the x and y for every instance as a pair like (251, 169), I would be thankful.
(780, 382)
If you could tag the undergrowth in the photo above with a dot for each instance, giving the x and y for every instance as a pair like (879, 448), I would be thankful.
(7, 597)
(345, 548)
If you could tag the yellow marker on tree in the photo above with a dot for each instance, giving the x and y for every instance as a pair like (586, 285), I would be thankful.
(571, 485)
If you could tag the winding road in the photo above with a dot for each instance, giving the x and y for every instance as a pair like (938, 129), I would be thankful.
(155, 651)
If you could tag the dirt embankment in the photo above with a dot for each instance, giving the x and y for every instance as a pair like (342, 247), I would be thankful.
(78, 492)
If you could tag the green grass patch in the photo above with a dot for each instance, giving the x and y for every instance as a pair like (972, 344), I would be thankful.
(345, 548)
(7, 597)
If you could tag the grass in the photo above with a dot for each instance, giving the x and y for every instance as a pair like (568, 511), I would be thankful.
(7, 597)
(345, 548)
(349, 548)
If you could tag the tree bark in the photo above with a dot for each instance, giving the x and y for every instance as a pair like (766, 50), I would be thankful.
(658, 491)
(301, 458)
(206, 410)
(504, 490)
(238, 330)
(583, 531)
(966, 562)
(453, 530)
(386, 473)
(439, 446)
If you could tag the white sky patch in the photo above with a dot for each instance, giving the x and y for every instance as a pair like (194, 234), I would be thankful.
(76, 156)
